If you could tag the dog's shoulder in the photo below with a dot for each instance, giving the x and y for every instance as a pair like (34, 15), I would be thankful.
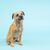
(12, 26)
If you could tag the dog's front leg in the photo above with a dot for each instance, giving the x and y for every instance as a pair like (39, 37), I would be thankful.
(20, 38)
(20, 34)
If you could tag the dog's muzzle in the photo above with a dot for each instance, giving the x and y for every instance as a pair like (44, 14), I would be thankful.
(20, 18)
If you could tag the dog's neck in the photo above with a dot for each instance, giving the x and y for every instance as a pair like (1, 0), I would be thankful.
(18, 22)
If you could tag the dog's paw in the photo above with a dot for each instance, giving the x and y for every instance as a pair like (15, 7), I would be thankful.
(20, 43)
(12, 45)
(8, 42)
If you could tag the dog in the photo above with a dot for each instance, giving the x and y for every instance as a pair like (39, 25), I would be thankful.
(16, 28)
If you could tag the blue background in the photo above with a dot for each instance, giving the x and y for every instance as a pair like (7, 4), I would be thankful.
(36, 33)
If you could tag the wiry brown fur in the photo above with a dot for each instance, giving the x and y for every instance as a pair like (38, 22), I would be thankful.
(16, 29)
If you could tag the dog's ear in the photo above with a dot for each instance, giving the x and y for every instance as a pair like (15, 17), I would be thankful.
(12, 15)
(23, 13)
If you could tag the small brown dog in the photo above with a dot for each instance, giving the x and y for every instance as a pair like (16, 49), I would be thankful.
(16, 28)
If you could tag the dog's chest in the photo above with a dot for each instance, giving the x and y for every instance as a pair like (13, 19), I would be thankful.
(18, 27)
(17, 30)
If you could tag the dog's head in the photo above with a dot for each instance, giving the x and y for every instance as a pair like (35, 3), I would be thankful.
(18, 16)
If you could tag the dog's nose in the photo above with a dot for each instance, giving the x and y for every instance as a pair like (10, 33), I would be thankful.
(21, 17)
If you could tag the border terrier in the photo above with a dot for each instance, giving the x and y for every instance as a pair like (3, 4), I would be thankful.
(16, 28)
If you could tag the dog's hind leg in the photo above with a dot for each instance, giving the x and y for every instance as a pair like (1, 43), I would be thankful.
(10, 40)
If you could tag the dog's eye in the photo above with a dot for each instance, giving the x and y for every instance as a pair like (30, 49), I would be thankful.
(17, 15)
